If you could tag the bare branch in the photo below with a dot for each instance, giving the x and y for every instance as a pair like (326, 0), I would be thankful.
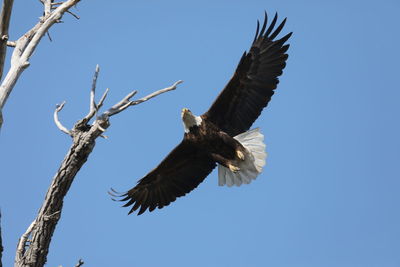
(21, 44)
(49, 36)
(103, 97)
(22, 243)
(80, 263)
(56, 3)
(73, 14)
(27, 44)
(47, 7)
(57, 121)
(11, 43)
(84, 136)
(159, 92)
(121, 105)
(125, 102)
(4, 24)
(97, 124)
(93, 106)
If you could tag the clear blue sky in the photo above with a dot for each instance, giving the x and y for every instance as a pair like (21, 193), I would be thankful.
(329, 195)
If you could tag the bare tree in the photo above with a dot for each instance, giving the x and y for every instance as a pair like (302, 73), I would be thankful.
(33, 245)
(26, 44)
(84, 134)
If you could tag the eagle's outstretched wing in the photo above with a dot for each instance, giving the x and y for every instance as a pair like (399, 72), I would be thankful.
(234, 111)
(253, 83)
(180, 172)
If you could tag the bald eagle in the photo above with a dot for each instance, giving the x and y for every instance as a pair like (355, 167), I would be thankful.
(220, 136)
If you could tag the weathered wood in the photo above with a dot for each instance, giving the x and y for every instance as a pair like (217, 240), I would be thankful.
(4, 24)
(26, 45)
(35, 255)
(40, 232)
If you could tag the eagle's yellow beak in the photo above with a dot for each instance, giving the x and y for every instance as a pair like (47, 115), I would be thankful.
(184, 111)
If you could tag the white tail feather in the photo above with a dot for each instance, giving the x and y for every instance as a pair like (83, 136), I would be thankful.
(251, 167)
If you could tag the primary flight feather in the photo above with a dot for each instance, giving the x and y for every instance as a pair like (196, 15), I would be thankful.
(221, 134)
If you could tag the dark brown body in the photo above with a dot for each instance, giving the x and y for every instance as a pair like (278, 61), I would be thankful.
(215, 143)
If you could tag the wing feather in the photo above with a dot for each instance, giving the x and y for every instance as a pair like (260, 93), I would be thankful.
(253, 83)
(272, 25)
(178, 174)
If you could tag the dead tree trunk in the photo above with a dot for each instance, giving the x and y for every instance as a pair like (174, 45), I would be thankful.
(40, 232)
(49, 214)
(4, 23)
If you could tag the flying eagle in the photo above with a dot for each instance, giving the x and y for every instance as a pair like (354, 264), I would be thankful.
(221, 134)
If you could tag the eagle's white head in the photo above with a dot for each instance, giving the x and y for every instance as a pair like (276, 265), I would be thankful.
(189, 120)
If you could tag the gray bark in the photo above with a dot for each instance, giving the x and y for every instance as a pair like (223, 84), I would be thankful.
(35, 255)
(40, 232)
(4, 24)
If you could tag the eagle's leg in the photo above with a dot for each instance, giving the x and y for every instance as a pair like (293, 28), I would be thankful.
(225, 162)
(240, 154)
(233, 168)
(233, 143)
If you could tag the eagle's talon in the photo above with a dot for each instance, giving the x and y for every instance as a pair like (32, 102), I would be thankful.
(240, 154)
(233, 168)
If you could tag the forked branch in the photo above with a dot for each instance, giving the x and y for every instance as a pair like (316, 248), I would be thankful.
(34, 253)
(126, 101)
(57, 121)
(26, 44)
